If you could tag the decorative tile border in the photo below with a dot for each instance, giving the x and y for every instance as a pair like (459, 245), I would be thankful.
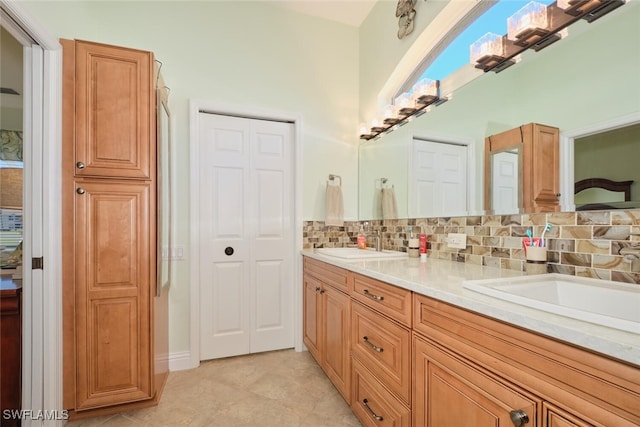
(580, 243)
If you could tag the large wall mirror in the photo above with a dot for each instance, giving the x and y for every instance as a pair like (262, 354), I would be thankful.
(164, 194)
(588, 79)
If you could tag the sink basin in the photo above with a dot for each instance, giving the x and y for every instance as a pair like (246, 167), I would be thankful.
(612, 304)
(355, 253)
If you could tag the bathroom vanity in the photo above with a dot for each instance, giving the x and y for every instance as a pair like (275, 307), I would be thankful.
(426, 351)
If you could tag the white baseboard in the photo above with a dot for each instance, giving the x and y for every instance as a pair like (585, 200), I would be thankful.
(181, 361)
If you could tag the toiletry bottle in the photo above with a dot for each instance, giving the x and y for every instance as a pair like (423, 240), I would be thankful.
(362, 239)
(413, 249)
(423, 247)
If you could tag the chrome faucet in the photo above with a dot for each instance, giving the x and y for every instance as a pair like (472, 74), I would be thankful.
(634, 251)
(378, 238)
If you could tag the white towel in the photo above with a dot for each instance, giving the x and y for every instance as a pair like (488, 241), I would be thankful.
(389, 204)
(334, 209)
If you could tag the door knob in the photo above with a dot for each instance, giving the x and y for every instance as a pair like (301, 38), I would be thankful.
(228, 251)
(80, 190)
(519, 417)
(80, 165)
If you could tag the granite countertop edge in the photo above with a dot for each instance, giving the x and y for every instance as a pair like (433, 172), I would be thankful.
(443, 280)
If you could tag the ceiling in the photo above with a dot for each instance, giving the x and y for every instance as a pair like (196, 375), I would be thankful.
(350, 12)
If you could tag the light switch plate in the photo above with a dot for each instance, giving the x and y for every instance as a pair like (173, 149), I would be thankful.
(457, 240)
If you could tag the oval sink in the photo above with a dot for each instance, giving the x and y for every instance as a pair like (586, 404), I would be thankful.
(355, 253)
(604, 302)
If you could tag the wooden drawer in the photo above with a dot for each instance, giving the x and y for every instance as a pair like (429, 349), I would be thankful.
(390, 300)
(327, 273)
(373, 404)
(382, 346)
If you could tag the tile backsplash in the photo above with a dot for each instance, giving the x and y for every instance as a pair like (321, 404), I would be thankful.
(579, 243)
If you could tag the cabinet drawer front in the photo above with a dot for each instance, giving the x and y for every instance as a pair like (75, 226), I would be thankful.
(373, 404)
(390, 300)
(384, 347)
(327, 273)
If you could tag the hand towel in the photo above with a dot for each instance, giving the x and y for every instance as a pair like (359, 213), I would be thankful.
(389, 204)
(334, 209)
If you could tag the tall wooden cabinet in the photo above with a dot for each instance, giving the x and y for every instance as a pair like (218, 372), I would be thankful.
(538, 151)
(109, 250)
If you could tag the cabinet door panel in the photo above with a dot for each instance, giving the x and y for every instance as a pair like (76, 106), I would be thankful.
(113, 104)
(337, 363)
(113, 271)
(451, 393)
(556, 417)
(312, 323)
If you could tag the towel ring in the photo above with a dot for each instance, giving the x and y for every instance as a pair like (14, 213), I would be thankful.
(332, 177)
(383, 181)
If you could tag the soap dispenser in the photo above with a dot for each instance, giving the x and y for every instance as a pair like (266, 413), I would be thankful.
(362, 238)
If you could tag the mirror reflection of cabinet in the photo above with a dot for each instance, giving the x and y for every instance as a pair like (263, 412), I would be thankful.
(522, 164)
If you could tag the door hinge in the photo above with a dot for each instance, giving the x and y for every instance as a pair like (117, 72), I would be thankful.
(37, 263)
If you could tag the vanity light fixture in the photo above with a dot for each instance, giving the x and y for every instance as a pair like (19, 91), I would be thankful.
(535, 26)
(406, 107)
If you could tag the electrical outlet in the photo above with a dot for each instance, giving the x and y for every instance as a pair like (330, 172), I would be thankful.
(457, 240)
(173, 253)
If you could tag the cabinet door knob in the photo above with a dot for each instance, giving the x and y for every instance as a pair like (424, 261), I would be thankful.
(80, 165)
(519, 417)
(80, 190)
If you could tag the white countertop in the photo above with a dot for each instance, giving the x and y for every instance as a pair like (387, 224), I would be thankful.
(443, 280)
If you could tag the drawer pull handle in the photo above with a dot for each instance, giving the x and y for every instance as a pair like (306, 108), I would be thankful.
(373, 346)
(372, 296)
(519, 417)
(319, 289)
(376, 417)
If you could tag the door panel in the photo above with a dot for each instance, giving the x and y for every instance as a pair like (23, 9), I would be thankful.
(112, 299)
(113, 105)
(245, 211)
(505, 187)
(439, 179)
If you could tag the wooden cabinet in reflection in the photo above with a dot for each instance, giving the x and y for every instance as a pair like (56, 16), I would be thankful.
(531, 181)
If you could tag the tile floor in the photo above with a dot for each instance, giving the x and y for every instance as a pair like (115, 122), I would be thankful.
(274, 389)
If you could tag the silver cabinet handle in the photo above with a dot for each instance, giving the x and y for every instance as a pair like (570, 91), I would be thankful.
(519, 417)
(373, 346)
(319, 289)
(80, 165)
(372, 296)
(80, 190)
(365, 403)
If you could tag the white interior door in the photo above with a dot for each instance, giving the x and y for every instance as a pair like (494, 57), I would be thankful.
(246, 235)
(504, 182)
(438, 179)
